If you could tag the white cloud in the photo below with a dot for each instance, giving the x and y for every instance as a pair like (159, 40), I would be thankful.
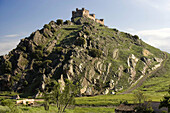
(159, 38)
(11, 36)
(9, 42)
(7, 46)
(163, 5)
(15, 35)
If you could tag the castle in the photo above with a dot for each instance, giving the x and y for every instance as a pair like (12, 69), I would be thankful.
(85, 13)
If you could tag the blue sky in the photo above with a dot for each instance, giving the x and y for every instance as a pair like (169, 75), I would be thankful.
(149, 19)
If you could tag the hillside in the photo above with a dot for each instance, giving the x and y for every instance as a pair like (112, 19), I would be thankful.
(103, 60)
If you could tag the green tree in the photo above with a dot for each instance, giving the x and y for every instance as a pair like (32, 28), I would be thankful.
(59, 22)
(80, 41)
(95, 52)
(7, 67)
(140, 98)
(166, 101)
(68, 22)
(61, 97)
(47, 26)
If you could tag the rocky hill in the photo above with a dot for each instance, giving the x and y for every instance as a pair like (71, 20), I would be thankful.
(103, 60)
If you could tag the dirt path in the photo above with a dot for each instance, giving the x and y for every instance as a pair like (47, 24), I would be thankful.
(145, 77)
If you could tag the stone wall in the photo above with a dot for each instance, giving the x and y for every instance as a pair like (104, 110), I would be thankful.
(101, 21)
(92, 16)
(85, 13)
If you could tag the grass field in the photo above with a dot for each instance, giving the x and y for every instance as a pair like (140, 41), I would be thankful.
(53, 109)
(158, 84)
(95, 104)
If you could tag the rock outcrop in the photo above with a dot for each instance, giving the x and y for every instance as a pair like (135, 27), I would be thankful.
(101, 59)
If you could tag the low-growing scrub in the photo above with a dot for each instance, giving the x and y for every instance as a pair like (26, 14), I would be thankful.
(80, 41)
(95, 52)
(59, 22)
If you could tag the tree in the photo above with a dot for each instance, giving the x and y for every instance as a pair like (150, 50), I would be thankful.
(166, 101)
(61, 97)
(95, 52)
(140, 98)
(59, 22)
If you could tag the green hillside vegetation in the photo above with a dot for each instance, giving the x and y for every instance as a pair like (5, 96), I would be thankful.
(101, 60)
(158, 84)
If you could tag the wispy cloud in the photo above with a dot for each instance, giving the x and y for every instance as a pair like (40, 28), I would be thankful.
(7, 46)
(11, 36)
(157, 4)
(15, 35)
(159, 38)
(9, 42)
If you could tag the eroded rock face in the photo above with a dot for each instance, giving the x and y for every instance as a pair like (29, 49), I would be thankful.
(132, 61)
(22, 62)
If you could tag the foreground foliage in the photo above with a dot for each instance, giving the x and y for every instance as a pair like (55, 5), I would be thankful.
(61, 97)
(166, 101)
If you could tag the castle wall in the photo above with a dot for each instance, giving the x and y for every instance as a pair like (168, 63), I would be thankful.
(92, 16)
(85, 13)
(101, 21)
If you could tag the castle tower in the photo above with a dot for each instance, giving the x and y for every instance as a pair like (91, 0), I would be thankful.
(85, 13)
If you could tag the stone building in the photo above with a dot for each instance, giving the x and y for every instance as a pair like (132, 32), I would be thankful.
(85, 13)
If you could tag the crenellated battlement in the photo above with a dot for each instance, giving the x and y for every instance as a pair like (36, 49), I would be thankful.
(85, 13)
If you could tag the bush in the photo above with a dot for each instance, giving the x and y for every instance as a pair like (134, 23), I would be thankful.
(95, 52)
(38, 54)
(90, 38)
(80, 41)
(87, 32)
(52, 23)
(59, 22)
(11, 105)
(7, 67)
(68, 22)
(47, 26)
(86, 23)
(22, 48)
(58, 49)
(135, 37)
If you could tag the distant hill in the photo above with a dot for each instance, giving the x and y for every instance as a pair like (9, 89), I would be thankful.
(103, 60)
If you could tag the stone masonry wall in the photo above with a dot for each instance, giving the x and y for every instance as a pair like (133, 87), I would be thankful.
(85, 13)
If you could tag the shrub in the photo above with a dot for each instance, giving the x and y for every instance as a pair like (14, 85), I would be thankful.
(38, 54)
(58, 49)
(7, 67)
(68, 22)
(52, 23)
(40, 47)
(11, 105)
(62, 98)
(86, 23)
(90, 38)
(95, 52)
(22, 48)
(59, 22)
(47, 26)
(135, 37)
(80, 41)
(87, 32)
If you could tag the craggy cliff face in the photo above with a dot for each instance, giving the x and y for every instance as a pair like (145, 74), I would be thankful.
(101, 59)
